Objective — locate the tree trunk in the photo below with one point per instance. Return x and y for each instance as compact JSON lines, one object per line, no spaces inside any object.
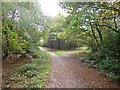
{"x":6,"y":38}
{"x":93,"y":33}
{"x":6,"y":50}
{"x":99,"y":33}
{"x":58,"y":43}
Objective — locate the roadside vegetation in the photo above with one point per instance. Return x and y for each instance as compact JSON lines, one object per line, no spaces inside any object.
{"x":92,"y":28}
{"x":24,"y":64}
{"x":32,"y":73}
{"x":37,"y":71}
{"x":106,"y":57}
{"x":95,"y":25}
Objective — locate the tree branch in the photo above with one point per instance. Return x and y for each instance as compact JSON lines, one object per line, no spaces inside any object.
{"x":109,"y":27}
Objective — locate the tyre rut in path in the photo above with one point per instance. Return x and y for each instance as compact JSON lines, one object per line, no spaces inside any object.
{"x":68,"y":72}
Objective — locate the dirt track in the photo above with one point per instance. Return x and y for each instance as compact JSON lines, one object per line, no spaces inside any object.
{"x":69,"y":72}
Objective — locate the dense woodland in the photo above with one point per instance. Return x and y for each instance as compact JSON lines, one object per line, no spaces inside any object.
{"x":92,"y":25}
{"x":97,"y":26}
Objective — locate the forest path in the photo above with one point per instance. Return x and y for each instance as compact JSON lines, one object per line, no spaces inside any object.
{"x":71,"y":72}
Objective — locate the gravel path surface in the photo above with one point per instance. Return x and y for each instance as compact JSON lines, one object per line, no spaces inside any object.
{"x":68,"y":72}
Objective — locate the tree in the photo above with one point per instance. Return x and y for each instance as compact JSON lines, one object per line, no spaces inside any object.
{"x":20,"y":22}
{"x":90,"y":18}
{"x":97,"y":25}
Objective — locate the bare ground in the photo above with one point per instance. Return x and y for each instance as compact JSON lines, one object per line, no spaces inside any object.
{"x":70,"y":72}
{"x":8,"y":69}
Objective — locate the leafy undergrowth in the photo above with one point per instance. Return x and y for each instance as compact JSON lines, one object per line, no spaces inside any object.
{"x":37,"y":71}
{"x":31,"y":75}
{"x":108,"y":65}
{"x":106,"y":57}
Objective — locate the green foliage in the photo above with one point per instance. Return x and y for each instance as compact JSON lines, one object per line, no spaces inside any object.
{"x":21,"y":22}
{"x":107,"y":57}
{"x":37,"y":71}
{"x":95,"y":25}
{"x":28,"y":67}
{"x":21,"y":35}
{"x":56,"y":34}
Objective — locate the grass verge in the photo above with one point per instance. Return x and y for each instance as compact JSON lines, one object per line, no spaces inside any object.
{"x":59,"y":52}
{"x":75,"y":51}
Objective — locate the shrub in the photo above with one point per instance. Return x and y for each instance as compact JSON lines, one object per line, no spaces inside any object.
{"x":37,"y":71}
{"x":107,"y":57}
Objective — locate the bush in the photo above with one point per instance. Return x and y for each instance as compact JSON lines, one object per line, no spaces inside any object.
{"x":37,"y":71}
{"x":107,"y":57}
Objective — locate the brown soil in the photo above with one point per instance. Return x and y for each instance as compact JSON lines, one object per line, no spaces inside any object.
{"x":9,"y":67}
{"x":70,"y":72}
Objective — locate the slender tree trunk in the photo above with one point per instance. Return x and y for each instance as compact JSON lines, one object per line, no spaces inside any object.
{"x":74,"y":44}
{"x":115,"y":24}
{"x":6,"y":39}
{"x":6,"y":50}
{"x":99,"y":33}
{"x":58,"y":43}
{"x":52,"y":45}
{"x":94,"y":34}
